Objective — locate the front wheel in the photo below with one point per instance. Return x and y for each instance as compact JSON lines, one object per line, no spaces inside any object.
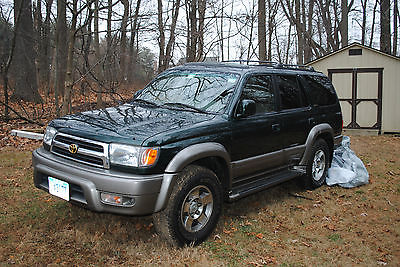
{"x":317,"y":164}
{"x":193,"y":209}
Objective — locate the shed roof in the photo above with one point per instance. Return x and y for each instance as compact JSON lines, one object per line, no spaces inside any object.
{"x":348,"y":47}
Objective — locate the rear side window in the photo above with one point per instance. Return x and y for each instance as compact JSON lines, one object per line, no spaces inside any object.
{"x":321,"y":91}
{"x":259,"y":88}
{"x":290,"y":92}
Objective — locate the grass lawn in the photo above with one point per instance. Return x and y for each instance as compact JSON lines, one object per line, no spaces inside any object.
{"x":333,"y":227}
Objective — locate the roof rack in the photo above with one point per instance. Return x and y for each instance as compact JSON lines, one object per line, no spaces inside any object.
{"x":273,"y":64}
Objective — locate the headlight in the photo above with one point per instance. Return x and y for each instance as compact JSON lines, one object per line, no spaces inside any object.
{"x":133,"y":156}
{"x":49,"y":135}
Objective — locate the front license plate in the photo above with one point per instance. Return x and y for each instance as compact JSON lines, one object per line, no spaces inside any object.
{"x":59,"y":188}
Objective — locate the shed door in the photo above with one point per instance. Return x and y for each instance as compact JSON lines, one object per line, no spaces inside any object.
{"x":360,"y":95}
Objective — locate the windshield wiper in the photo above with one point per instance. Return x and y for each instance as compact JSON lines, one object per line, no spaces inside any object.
{"x":184,"y":106}
{"x":219,"y":97}
{"x":145,"y":102}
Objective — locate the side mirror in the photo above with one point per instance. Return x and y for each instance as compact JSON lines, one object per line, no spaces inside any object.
{"x":246,"y":108}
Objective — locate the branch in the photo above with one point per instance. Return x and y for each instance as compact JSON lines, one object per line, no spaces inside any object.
{"x":20,"y":116}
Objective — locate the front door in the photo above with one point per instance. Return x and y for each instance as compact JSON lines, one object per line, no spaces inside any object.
{"x":257,"y":138}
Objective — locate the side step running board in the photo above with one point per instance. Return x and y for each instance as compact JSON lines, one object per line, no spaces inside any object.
{"x":261,"y":184}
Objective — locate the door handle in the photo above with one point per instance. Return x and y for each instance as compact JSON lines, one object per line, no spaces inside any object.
{"x":276,"y":127}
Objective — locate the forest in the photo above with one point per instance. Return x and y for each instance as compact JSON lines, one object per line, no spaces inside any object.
{"x":62,"y":56}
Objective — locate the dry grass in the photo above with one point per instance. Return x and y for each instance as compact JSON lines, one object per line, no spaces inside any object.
{"x":339,"y":227}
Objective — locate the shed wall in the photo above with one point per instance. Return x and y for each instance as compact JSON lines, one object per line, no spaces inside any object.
{"x":369,"y":59}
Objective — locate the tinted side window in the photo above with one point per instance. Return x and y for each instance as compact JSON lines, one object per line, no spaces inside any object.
{"x":321,"y":90}
{"x":289,"y":91}
{"x":259,"y":88}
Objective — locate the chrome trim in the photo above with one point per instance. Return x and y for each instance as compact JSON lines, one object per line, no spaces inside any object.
{"x":102,"y":156}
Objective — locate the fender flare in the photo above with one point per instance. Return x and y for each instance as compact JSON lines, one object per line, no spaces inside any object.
{"x":181,"y":160}
{"x":312,"y":137}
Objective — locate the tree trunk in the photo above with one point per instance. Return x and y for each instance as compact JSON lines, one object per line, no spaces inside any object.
{"x":373,"y":23}
{"x":99,"y":100}
{"x":123,"y":41}
{"x":364,"y":21}
{"x":25,"y":77}
{"x":222,"y":30}
{"x":344,"y":23}
{"x":193,"y":31}
{"x":300,"y":34}
{"x":133,"y":52}
{"x":385,"y":38}
{"x":171,"y":41}
{"x":69,"y":79}
{"x":395,"y":26}
{"x":262,"y":40}
{"x":161,"y":37}
{"x":61,"y":52}
{"x":165,"y":56}
{"x":200,"y":32}
{"x":108,"y":64}
{"x":308,"y":49}
{"x":46,"y":49}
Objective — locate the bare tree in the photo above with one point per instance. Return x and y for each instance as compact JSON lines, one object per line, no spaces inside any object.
{"x":45,"y":48}
{"x":395,"y":26}
{"x":133,"y":52}
{"x":373,"y":23}
{"x":123,"y":41}
{"x":262,"y":40}
{"x":165,"y":54}
{"x":385,"y":38}
{"x":25,"y":78}
{"x":195,"y":29}
{"x":344,"y":22}
{"x":99,"y":100}
{"x":272,"y":13}
{"x":61,"y":51}
{"x":364,"y":21}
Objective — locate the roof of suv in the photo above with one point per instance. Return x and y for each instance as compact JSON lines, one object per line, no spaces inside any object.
{"x":236,"y":67}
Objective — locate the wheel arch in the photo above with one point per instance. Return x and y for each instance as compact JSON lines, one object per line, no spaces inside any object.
{"x":323,"y":131}
{"x":210,"y":155}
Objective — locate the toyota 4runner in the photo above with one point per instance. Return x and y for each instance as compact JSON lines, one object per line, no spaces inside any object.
{"x":197,"y":135}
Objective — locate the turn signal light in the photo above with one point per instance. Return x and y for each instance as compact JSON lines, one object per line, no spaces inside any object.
{"x":118,"y":200}
{"x":149,"y":156}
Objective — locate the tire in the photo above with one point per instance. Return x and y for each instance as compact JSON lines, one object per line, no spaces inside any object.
{"x":193,"y":208}
{"x":317,"y":165}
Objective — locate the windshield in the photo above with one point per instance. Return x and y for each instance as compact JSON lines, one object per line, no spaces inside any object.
{"x":202,"y":91}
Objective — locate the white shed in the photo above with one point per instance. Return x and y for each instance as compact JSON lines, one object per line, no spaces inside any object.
{"x":367,"y":82}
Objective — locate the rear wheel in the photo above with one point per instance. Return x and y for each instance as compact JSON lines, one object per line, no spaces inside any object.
{"x":317,"y":164}
{"x":193,"y":209}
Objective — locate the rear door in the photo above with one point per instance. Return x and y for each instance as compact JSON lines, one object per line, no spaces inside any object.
{"x":324,"y":102}
{"x":294,"y":114}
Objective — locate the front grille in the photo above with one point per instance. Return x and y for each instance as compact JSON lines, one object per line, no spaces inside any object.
{"x":89,"y":152}
{"x":80,"y":143}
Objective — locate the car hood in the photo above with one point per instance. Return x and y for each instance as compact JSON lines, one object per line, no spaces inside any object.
{"x":128,"y":123}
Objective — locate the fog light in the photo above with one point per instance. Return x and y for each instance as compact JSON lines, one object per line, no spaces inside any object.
{"x":117,"y":200}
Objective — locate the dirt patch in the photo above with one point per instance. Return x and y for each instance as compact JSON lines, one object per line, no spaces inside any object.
{"x":333,"y":226}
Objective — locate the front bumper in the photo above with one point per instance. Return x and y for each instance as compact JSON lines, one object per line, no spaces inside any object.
{"x":86,"y":184}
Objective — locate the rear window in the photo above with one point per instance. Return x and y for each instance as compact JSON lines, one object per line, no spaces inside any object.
{"x":321,"y":91}
{"x":290,"y":92}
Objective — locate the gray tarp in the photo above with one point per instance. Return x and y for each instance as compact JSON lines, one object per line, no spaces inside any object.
{"x":347,"y":169}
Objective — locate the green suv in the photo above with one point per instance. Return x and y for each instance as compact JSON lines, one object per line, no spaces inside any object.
{"x":196,"y":136}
